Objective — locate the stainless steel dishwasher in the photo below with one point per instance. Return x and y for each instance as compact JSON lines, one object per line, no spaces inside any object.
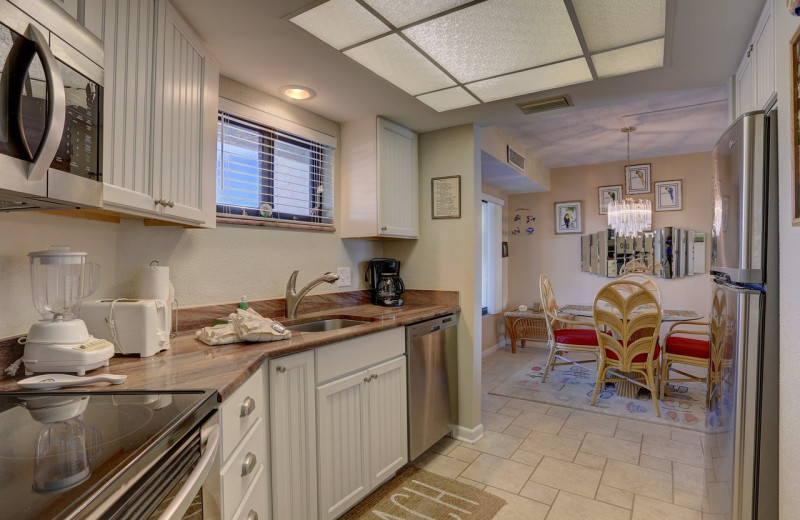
{"x":431,"y":382}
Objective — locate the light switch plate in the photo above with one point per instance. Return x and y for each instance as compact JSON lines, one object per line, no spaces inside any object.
{"x":345,"y":277}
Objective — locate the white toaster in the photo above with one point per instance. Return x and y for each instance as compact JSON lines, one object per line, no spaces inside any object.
{"x":134,"y":326}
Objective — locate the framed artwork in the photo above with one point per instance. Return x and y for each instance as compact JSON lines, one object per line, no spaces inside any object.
{"x":607,"y":195}
{"x":669,"y":195}
{"x":795,"y":78}
{"x":637,"y":179}
{"x":446,"y":197}
{"x":569,"y":217}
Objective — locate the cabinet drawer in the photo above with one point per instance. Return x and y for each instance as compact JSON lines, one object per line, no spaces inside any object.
{"x":357,"y":354}
{"x":255,"y":505}
{"x":241,"y":410}
{"x":234,"y":480}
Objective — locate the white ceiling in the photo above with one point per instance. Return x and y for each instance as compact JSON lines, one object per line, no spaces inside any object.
{"x":255,"y":44}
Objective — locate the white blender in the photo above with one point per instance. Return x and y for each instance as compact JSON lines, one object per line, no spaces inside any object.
{"x":60,"y":342}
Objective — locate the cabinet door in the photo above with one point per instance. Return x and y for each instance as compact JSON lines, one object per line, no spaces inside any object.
{"x":397,"y":180}
{"x":293,"y":436}
{"x":388,"y":431}
{"x":765,"y":58}
{"x":343,"y":473}
{"x":186,"y":86}
{"x":127,"y":118}
{"x":745,"y":84}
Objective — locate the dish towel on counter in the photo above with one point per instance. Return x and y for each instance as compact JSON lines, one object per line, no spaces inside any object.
{"x":245,"y":325}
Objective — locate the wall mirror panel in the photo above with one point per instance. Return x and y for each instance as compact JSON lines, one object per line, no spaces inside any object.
{"x":667,"y":252}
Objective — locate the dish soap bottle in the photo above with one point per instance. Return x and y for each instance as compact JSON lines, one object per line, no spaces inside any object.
{"x":243,"y":304}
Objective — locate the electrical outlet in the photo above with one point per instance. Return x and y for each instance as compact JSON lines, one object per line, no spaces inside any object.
{"x":345,"y":277}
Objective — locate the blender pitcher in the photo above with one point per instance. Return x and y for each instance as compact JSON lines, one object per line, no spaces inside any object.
{"x":60,"y":281}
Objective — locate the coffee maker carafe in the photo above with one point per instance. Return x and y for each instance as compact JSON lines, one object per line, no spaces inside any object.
{"x":383,"y":277}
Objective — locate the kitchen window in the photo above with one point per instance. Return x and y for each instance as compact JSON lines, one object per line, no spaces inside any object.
{"x":270,"y":174}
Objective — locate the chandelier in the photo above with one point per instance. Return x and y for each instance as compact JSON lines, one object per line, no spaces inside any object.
{"x":629,"y":217}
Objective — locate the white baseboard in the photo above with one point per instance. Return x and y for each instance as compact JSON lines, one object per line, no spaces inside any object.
{"x":471,"y":436}
{"x":495,"y":348}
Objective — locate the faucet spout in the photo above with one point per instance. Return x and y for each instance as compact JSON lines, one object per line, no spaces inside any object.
{"x":294,"y":297}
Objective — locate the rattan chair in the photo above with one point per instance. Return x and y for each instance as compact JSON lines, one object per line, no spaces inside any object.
{"x":563,"y":334}
{"x":648,"y":282}
{"x":630,"y":318}
{"x":528,"y":328}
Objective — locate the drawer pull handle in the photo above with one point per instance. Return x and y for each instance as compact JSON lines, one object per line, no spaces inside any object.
{"x":252,"y":515}
{"x":281,"y":369}
{"x":249,"y":464}
{"x":248,"y":405}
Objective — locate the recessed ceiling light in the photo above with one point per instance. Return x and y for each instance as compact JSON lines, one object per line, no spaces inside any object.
{"x":298,"y":92}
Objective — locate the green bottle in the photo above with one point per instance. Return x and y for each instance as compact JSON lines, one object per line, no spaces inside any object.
{"x":243,"y":304}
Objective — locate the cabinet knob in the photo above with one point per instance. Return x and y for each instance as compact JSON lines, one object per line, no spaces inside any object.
{"x":384,"y":228}
{"x":248,"y":405}
{"x":252,"y":515}
{"x":367,"y":379}
{"x":374,"y":376}
{"x":171,"y":204}
{"x":249,"y":464}
{"x":749,"y":50}
{"x":281,"y":369}
{"x":158,"y":202}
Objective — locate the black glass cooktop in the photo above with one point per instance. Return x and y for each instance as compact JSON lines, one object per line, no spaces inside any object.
{"x":62,"y":450}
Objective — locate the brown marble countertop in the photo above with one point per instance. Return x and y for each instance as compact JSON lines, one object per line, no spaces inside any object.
{"x":192,"y":365}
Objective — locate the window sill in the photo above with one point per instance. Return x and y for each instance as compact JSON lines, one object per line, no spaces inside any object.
{"x":276,"y":224}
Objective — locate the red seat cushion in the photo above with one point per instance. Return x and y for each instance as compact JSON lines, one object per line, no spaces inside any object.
{"x":585,"y":337}
{"x":641,"y":358}
{"x":683,"y":346}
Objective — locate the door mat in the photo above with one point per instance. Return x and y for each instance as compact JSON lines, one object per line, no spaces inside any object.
{"x":415,"y":493}
{"x":572,"y":386}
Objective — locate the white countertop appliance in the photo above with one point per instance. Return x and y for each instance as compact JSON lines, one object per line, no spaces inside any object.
{"x":60,"y":342}
{"x":134,"y":326}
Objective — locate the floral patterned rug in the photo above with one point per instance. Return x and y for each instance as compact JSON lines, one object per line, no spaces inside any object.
{"x":572,"y":386}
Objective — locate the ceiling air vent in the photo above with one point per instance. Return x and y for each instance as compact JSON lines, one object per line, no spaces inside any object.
{"x":540,"y":105}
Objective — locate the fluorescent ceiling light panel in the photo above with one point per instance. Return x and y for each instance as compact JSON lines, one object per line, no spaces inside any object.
{"x":392,"y":58}
{"x":401,"y":13}
{"x":448,"y":99}
{"x":534,"y":80}
{"x":649,"y":55}
{"x":327,"y":22}
{"x":497,"y":37}
{"x":608,"y":24}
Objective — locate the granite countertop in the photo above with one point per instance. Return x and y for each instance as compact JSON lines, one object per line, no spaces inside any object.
{"x":191,"y":365}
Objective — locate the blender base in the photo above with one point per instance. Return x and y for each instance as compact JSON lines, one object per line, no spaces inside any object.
{"x":64,"y":358}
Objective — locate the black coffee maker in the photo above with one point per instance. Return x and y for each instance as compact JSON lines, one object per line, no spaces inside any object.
{"x":383,"y":277}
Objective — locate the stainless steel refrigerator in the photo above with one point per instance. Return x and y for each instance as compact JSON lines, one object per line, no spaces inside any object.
{"x":742,"y":445}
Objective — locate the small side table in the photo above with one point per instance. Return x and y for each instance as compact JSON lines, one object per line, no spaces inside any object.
{"x":525,"y":325}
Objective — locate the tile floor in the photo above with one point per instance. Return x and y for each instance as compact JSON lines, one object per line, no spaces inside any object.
{"x":554,"y":463}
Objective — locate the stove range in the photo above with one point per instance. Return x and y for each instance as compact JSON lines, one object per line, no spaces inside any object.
{"x":66,"y":455}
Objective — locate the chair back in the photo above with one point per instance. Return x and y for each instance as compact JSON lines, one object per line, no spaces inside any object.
{"x":549,"y":305}
{"x":647,"y":281}
{"x":718,"y":325}
{"x":630,"y":316}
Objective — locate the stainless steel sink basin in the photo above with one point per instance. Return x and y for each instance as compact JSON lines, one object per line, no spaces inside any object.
{"x":325,"y":324}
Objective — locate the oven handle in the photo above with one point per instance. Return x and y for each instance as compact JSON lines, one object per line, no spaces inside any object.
{"x":184,"y":497}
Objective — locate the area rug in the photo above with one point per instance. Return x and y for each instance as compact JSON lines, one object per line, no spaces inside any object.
{"x":415,"y":493}
{"x":571,"y":386}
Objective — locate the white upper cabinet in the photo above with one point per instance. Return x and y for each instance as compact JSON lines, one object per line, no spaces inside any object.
{"x":755,"y":79}
{"x":160,"y":116}
{"x":379,"y":180}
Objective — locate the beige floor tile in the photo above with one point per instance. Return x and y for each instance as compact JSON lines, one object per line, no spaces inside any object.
{"x":655,"y":463}
{"x":718,"y":497}
{"x":465,"y":454}
{"x":591,"y":461}
{"x":540,"y":493}
{"x":445,"y":445}
{"x":539,"y":422}
{"x":472,"y":483}
{"x":510,"y":411}
{"x":611,"y":448}
{"x":526,"y":457}
{"x":495,"y":421}
{"x":569,"y":433}
{"x":573,"y":507}
{"x":644,"y":427}
{"x":516,"y":431}
{"x":645,"y":508}
{"x":687,"y":499}
{"x":504,"y":474}
{"x":680,"y":434}
{"x":528,"y":406}
{"x":441,"y":464}
{"x":713,"y":516}
{"x":592,"y":422}
{"x":559,"y":411}
{"x":676,"y":451}
{"x":492,"y":403}
{"x":567,"y":476}
{"x":497,"y":443}
{"x":711,"y":476}
{"x":689,"y":478}
{"x":551,"y":446}
{"x":636,"y":479}
{"x":518,"y":507}
{"x":616,"y":497}
{"x":628,"y":435}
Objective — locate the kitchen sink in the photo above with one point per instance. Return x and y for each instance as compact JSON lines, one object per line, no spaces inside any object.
{"x":324,"y":324}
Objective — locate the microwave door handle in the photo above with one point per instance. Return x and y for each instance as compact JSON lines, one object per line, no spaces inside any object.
{"x":56,"y":107}
{"x":183,"y":499}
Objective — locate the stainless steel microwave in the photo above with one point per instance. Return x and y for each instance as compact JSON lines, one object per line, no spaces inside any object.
{"x":51,"y":91}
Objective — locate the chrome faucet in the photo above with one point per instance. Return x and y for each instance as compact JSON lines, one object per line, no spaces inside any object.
{"x":293,"y":298}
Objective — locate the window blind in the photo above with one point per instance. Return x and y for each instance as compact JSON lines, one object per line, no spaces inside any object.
{"x":264,"y":173}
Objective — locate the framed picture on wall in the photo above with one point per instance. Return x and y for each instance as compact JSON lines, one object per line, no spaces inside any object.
{"x":569,"y":217}
{"x":637,"y":179}
{"x":607,"y":195}
{"x":669,"y":196}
